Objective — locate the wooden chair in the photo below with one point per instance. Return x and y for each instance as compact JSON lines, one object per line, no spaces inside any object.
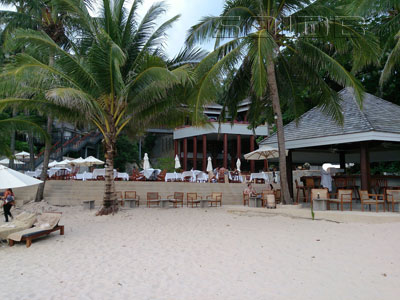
{"x":192,"y":199}
{"x":215,"y":198}
{"x":323,"y":194}
{"x":235,"y":177}
{"x":343,"y":196}
{"x":393,"y":196}
{"x":131,"y":195}
{"x":176,"y":198}
{"x":161,"y":176}
{"x":136,"y":176}
{"x":278,"y":196}
{"x":371,"y":199}
{"x":309,"y":185}
{"x":246,"y":199}
{"x":100,"y":178}
{"x":298,"y":189}
{"x":153,"y":198}
{"x":264,"y":196}
{"x":340,"y":183}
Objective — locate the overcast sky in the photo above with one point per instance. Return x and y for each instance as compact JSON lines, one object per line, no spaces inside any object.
{"x":191,"y":12}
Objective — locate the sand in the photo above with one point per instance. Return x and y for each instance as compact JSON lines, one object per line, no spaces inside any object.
{"x":214,"y":253}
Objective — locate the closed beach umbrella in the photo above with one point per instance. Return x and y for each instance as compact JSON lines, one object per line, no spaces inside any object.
{"x":91,"y":161}
{"x":238,"y":164}
{"x":10,"y":178}
{"x":146,"y":162}
{"x":6,"y":162}
{"x":209,"y":165}
{"x":177,"y":162}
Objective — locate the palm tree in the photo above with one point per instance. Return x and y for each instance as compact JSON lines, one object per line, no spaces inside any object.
{"x":389,"y":30}
{"x":253,"y":35}
{"x":116,"y":77}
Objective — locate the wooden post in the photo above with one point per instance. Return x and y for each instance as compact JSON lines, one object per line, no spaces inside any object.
{"x":204,"y":153}
{"x":194,"y":152}
{"x":238,"y":146}
{"x":265,"y":165}
{"x":252,"y":162}
{"x":225,"y":151}
{"x":176,"y":147}
{"x":289,"y":172}
{"x":342,"y":160}
{"x":185,"y":154}
{"x":364,"y":166}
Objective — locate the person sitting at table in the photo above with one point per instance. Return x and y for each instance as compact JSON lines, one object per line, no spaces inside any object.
{"x":250,"y":190}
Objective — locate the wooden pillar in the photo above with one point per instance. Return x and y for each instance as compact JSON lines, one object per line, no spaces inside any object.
{"x":204,"y":153}
{"x":194,"y":152}
{"x":265,"y":165}
{"x":225,"y":151}
{"x":364,"y":166}
{"x":252,"y":162}
{"x":238,"y":146}
{"x":289,"y":172}
{"x":176,"y":147}
{"x":185,"y":154}
{"x":342,"y":160}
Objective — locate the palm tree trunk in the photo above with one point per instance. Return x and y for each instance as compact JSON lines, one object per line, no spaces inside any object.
{"x":273,"y":88}
{"x":12,"y":142}
{"x":46,"y":158}
{"x":31,"y":151}
{"x":110,"y":204}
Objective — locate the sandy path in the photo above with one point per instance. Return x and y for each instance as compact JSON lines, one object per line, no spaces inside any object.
{"x":196,"y":254}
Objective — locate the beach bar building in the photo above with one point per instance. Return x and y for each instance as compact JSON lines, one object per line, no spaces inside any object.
{"x":369,"y":133}
{"x":223,"y":142}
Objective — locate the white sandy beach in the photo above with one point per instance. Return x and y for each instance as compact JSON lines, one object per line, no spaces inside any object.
{"x":203,"y":254}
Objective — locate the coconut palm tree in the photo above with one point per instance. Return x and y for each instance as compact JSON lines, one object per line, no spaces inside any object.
{"x":116,"y":76}
{"x":253,"y":35}
{"x":389,"y":30}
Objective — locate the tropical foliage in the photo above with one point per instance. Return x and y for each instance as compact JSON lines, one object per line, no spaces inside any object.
{"x":279,"y":50}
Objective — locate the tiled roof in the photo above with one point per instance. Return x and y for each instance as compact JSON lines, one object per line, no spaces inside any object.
{"x":376,"y":115}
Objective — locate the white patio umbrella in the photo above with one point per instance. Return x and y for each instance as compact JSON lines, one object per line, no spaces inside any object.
{"x":22,"y":155}
{"x":53,"y":164}
{"x":10,"y":178}
{"x":238,"y":164}
{"x":209,"y":165}
{"x":6,"y":162}
{"x":78,"y":161}
{"x":177,"y":162}
{"x":91,"y":161}
{"x":264,"y":152}
{"x":146,"y":162}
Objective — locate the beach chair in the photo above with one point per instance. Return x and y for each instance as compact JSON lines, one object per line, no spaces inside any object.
{"x":46,"y":224}
{"x":21,"y":222}
{"x":371,"y":199}
{"x":120,"y":198}
{"x":215,"y":198}
{"x":131,"y":196}
{"x":343,"y":196}
{"x":153,"y":198}
{"x":264,"y":196}
{"x":176,"y":198}
{"x":191,"y":198}
{"x":393,"y":196}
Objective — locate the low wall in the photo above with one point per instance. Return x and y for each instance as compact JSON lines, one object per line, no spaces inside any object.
{"x":58,"y":192}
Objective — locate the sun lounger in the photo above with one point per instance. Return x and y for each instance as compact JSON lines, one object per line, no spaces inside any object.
{"x":46,"y":224}
{"x":21,"y":222}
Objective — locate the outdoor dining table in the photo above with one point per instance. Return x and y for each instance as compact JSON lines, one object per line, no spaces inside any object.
{"x":261,"y":175}
{"x":148,"y":172}
{"x":102,"y":172}
{"x":320,"y":204}
{"x":173,"y":176}
{"x":255,"y":201}
{"x":124,"y":176}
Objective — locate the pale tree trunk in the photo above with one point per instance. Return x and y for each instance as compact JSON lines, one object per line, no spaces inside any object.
{"x":46,"y":158}
{"x":110,"y":204}
{"x":273,"y":88}
{"x":12,"y":142}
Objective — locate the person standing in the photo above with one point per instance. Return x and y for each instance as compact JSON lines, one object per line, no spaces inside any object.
{"x":8,"y":199}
